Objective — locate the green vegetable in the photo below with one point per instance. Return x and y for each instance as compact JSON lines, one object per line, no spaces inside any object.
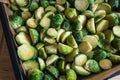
{"x":21,"y":3}
{"x":77,"y":25}
{"x":22,"y":38}
{"x":65,"y":35}
{"x":45,"y":22}
{"x":50,"y":8}
{"x":60,"y":8}
{"x":31,"y":22}
{"x":88,"y":13}
{"x":71,"y":41}
{"x":51,"y":59}
{"x":93,"y":7}
{"x":41,"y":63}
{"x":90,"y":54}
{"x":64,"y":49}
{"x":42,"y":53}
{"x":44,"y":3}
{"x":83,"y":7}
{"x":60,"y":32}
{"x":34,"y":35}
{"x":114,"y":58}
{"x":31,"y":64}
{"x":78,"y":35}
{"x":82,"y":19}
{"x":33,"y":6}
{"x":109,"y":35}
{"x":48,"y":77}
{"x":80,"y":59}
{"x":26,"y":15}
{"x":70,"y":13}
{"x":39,"y":13}
{"x":105,"y":64}
{"x":25,"y":52}
{"x":16,"y":21}
{"x":49,"y":40}
{"x":21,"y":29}
{"x":14,"y":7}
{"x":92,"y":66}
{"x":71,"y":74}
{"x":99,"y":1}
{"x":51,"y":49}
{"x":61,"y":66}
{"x":53,"y":71}
{"x":116,"y":31}
{"x":35,"y":74}
{"x":60,"y":1}
{"x":42,"y":34}
{"x":116,"y":43}
{"x":51,"y":32}
{"x":62,"y":77}
{"x":65,"y":25}
{"x":39,"y":45}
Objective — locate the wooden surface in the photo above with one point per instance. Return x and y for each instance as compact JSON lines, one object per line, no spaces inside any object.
{"x":6,"y":71}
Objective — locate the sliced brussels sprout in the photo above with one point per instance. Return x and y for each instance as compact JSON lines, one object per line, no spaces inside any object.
{"x":92,"y":66}
{"x":105,"y":64}
{"x":42,"y":53}
{"x":101,"y":35}
{"x":114,"y":58}
{"x":34,"y":35}
{"x":48,"y":77}
{"x":24,"y":9}
{"x":39,"y":45}
{"x":91,"y":2}
{"x":51,"y":59}
{"x":60,"y":8}
{"x":116,"y":31}
{"x":71,"y":74}
{"x":51,"y":32}
{"x":48,"y":14}
{"x":71,"y":41}
{"x":102,"y":25}
{"x":42,"y":34}
{"x":35,"y":74}
{"x":104,"y":6}
{"x":31,"y":22}
{"x":108,"y":35}
{"x":99,"y":1}
{"x":81,"y":71}
{"x":45,"y":22}
{"x":53,"y":71}
{"x":51,"y":49}
{"x":80,"y":59}
{"x":15,"y":21}
{"x":62,"y":77}
{"x":93,"y":7}
{"x":113,"y":50}
{"x":22,"y":38}
{"x":65,"y":35}
{"x":33,"y":6}
{"x":61,"y":66}
{"x":21,"y":3}
{"x":21,"y":29}
{"x":113,"y":19}
{"x":99,"y":15}
{"x":60,"y":32}
{"x":25,"y":52}
{"x":44,"y":3}
{"x":64,"y":49}
{"x":41,"y":63}
{"x":116,"y":43}
{"x":82,"y":19}
{"x":66,"y":25}
{"x":49,"y":40}
{"x":70,"y":57}
{"x":78,"y":35}
{"x":92,"y":40}
{"x":70,"y":13}
{"x":88,"y":13}
{"x":68,"y":66}
{"x":14,"y":7}
{"x":39,"y":13}
{"x":50,"y":8}
{"x":77,"y":26}
{"x":90,"y":54}
{"x":60,"y":1}
{"x":91,"y":25}
{"x":83,"y":7}
{"x":30,"y":64}
{"x":26,"y":15}
{"x":85,"y":47}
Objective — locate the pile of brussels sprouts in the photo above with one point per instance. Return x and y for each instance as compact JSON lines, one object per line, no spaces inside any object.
{"x":64,"y":39}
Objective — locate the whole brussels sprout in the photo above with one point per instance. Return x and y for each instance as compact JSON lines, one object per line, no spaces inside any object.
{"x":44,"y":3}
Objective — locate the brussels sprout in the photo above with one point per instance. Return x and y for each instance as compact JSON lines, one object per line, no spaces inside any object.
{"x":81,"y":71}
{"x":49,"y":40}
{"x":77,"y":25}
{"x":42,"y":34}
{"x":51,"y":49}
{"x":64,"y":49}
{"x":99,"y":1}
{"x":39,"y":13}
{"x":60,"y":8}
{"x":68,"y":66}
{"x":26,"y":15}
{"x":83,"y":7}
{"x":48,"y":77}
{"x":34,"y":35}
{"x":16,"y":21}
{"x":114,"y":58}
{"x":42,"y":53}
{"x":80,"y":59}
{"x":113,"y":19}
{"x":91,"y":1}
{"x":53,"y":71}
{"x":61,"y":66}
{"x":26,"y":52}
{"x":102,"y":25}
{"x":70,"y":13}
{"x":116,"y":43}
{"x":31,"y":64}
{"x":51,"y":32}
{"x":50,"y":8}
{"x":82,"y":19}
{"x":21,"y":3}
{"x":116,"y":31}
{"x":78,"y":35}
{"x":113,"y":50}
{"x":51,"y":59}
{"x":41,"y":63}
{"x":92,"y":66}
{"x":21,"y":29}
{"x":60,"y":1}
{"x":109,"y":35}
{"x":33,"y":6}
{"x":91,"y":25}
{"x":44,"y":3}
{"x":71,"y":74}
{"x":14,"y":7}
{"x":35,"y":74}
{"x":66,"y":25}
{"x":56,"y":20}
{"x":60,"y":32}
{"x":101,"y":35}
{"x":62,"y":77}
{"x":105,"y":64}
{"x":22,"y":38}
{"x":71,"y":41}
{"x":88,"y":13}
{"x":39,"y":45}
{"x":90,"y":54}
{"x":31,"y":22}
{"x":93,"y":7}
{"x":85,"y":47}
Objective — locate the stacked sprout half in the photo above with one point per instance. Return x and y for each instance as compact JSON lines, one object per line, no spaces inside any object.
{"x":64,"y":39}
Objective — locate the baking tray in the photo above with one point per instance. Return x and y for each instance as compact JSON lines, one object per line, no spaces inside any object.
{"x":19,"y":74}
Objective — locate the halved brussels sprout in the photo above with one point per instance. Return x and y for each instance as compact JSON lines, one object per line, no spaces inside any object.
{"x":66,"y":25}
{"x":62,"y":77}
{"x":51,"y":49}
{"x":93,"y":7}
{"x":21,"y":3}
{"x":71,"y":74}
{"x":42,"y":34}
{"x":31,"y":22}
{"x":60,"y":32}
{"x":114,"y":58}
{"x":60,"y":1}
{"x":77,"y":26}
{"x":39,"y":45}
{"x":49,"y":40}
{"x":47,"y":76}
{"x":42,"y":53}
{"x":70,"y":13}
{"x":39,"y":13}
{"x":51,"y":32}
{"x":60,"y":8}
{"x":22,"y":38}
{"x":116,"y":31}
{"x":108,"y":35}
{"x":44,"y":3}
{"x":14,"y":7}
{"x":61,"y":66}
{"x":50,"y":8}
{"x":26,"y":15}
{"x":82,"y":19}
{"x":22,"y":29}
{"x":33,"y":6}
{"x":65,"y":35}
{"x":99,"y":1}
{"x":116,"y":43}
{"x":41,"y":63}
{"x":88,"y":13}
{"x":78,"y":35}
